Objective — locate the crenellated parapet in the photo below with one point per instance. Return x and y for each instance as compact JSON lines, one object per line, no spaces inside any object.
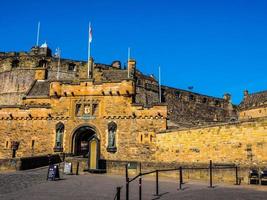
{"x":253,"y":105}
{"x":123,"y":88}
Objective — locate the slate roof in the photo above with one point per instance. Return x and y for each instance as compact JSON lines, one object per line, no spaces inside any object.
{"x":254,"y":100}
{"x":113,"y":75}
{"x":39,"y":88}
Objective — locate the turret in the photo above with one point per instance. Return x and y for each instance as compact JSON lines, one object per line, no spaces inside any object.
{"x":43,"y":50}
{"x":131,"y":67}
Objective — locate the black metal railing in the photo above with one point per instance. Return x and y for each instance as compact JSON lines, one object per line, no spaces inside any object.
{"x":211,"y":167}
{"x":118,"y":193}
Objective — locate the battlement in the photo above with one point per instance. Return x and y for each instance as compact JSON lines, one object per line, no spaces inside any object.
{"x":41,"y":57}
{"x":124,"y":88}
{"x":67,"y":77}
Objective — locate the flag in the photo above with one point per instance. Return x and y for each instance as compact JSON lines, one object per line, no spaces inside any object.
{"x":90,"y":33}
{"x":191,"y":87}
{"x":57,"y":53}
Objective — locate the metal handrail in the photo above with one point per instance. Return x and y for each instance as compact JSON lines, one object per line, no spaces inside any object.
{"x":210,"y":167}
{"x":117,"y":195}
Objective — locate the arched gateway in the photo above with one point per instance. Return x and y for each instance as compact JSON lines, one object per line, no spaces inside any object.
{"x":86,"y":143}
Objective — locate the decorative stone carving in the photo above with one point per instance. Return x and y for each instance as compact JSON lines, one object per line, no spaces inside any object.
{"x":87,"y":109}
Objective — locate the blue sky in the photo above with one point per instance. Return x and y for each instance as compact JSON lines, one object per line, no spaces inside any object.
{"x":215,"y":46}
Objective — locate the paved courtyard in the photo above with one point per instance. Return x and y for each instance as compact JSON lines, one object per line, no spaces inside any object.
{"x":32,"y":185}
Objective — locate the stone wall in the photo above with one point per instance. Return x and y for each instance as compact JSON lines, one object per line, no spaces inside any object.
{"x":26,"y":163}
{"x":242,"y":143}
{"x":16,"y":84}
{"x":33,"y":124}
{"x":227,"y":175}
{"x":42,"y":132}
{"x":25,"y":131}
{"x":185,"y":108}
{"x":189,"y":109}
{"x":253,"y":113}
{"x":9,"y":164}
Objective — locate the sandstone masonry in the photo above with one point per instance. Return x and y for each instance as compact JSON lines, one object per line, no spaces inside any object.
{"x":114,"y":114}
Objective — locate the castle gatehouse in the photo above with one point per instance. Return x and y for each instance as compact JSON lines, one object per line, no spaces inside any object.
{"x":114,"y":114}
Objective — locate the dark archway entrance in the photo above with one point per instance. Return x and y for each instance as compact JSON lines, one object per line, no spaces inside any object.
{"x":86,"y":143}
{"x":80,"y":141}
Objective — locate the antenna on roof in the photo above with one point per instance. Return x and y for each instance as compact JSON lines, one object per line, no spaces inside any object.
{"x":159,"y":86}
{"x":128,"y":59}
{"x":57,"y":54}
{"x":38,"y":34}
{"x":90,"y":38}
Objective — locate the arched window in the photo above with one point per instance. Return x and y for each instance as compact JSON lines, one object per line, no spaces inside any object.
{"x":72,"y":67}
{"x":112,"y":128}
{"x":59,"y":137}
{"x":42,"y":63}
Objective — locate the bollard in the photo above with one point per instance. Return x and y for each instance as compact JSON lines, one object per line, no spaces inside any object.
{"x":236,"y":175}
{"x":181,"y":177}
{"x":118,"y":193}
{"x":140,"y":187}
{"x":157,"y":182}
{"x":127,"y":182}
{"x":210,"y":173}
{"x":77,"y":169}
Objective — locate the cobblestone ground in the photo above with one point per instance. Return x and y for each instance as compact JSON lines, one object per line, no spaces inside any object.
{"x":32,"y":185}
{"x":15,"y":181}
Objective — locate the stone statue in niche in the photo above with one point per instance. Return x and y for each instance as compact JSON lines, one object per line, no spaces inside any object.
{"x":59,"y":136}
{"x":112,"y":128}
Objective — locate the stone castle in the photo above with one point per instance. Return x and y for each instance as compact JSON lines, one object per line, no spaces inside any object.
{"x":113,"y":113}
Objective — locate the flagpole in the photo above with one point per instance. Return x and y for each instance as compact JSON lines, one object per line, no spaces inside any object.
{"x":58,"y":64}
{"x":89,"y":51}
{"x":129,"y":54}
{"x":38,"y":33}
{"x":159,"y":86}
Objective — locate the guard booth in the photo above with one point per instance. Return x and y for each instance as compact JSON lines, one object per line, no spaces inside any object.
{"x":93,"y":155}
